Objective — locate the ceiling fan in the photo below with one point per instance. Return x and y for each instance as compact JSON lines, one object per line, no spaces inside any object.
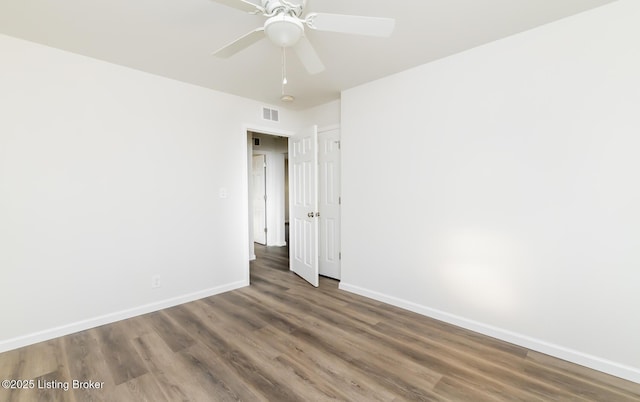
{"x":285,"y":28}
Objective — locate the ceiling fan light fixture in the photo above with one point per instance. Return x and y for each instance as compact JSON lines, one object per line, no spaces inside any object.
{"x":284,"y":30}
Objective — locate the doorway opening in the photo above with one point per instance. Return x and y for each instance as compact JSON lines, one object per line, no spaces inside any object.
{"x":268,"y":194}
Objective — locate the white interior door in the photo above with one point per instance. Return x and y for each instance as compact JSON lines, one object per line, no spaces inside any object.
{"x":303,"y":199}
{"x":329,"y":203}
{"x":259,"y":200}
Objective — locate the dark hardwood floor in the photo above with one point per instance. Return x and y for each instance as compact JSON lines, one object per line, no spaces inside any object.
{"x":282,"y":340}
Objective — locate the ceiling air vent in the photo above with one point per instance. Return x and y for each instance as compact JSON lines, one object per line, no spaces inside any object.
{"x":270,"y":114}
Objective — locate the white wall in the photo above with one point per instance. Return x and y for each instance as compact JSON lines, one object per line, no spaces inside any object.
{"x":270,"y":143}
{"x":324,"y":115}
{"x":109,"y":176}
{"x":498,"y":189}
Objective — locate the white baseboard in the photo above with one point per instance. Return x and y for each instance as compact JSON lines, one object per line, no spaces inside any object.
{"x":63,"y":330}
{"x":574,"y":356}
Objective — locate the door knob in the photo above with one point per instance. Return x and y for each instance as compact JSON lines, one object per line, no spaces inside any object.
{"x":310,"y":214}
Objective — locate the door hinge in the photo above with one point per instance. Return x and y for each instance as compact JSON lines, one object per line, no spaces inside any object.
{"x":265,"y":230}
{"x":340,"y":255}
{"x":265,"y":197}
{"x":339,"y":200}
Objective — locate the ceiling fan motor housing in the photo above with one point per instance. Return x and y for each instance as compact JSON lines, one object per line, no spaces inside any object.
{"x":292,"y":7}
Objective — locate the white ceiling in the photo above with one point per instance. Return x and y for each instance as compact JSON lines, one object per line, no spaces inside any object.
{"x":175,"y":38}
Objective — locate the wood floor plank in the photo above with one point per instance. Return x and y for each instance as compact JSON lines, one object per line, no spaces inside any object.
{"x":219,"y":380}
{"x":286,"y":320}
{"x":394,"y":381}
{"x":282,"y":340}
{"x":40,"y":359}
{"x":172,"y":334}
{"x":11,"y":368}
{"x":140,"y":389}
{"x":267,"y":315}
{"x":86,"y":362}
{"x":627,"y":389}
{"x":457,"y":390}
{"x":249,"y":341}
{"x":236,"y":310}
{"x":574,"y":386}
{"x":35,"y":363}
{"x":57,"y":358}
{"x":123,"y":361}
{"x":43,"y":394}
{"x":308,"y":383}
{"x":240,"y":361}
{"x":268,"y":359}
{"x":173,"y":378}
{"x":355,"y":385}
{"x":469,"y":367}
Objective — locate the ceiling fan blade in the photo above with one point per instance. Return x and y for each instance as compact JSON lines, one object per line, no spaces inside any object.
{"x":240,"y":43}
{"x":241,"y":5}
{"x":308,"y":56}
{"x":351,"y":24}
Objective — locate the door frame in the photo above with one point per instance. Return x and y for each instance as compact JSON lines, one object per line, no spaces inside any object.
{"x":247,"y":221}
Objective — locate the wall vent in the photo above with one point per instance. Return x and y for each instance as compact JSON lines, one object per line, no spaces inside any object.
{"x":270,"y":114}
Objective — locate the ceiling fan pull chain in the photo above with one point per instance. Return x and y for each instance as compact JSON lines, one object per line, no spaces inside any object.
{"x":284,"y":68}
{"x":285,"y":97}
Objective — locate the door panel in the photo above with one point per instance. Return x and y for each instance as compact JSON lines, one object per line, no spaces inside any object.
{"x":303,"y":189}
{"x":329,"y":203}
{"x":259,"y":200}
